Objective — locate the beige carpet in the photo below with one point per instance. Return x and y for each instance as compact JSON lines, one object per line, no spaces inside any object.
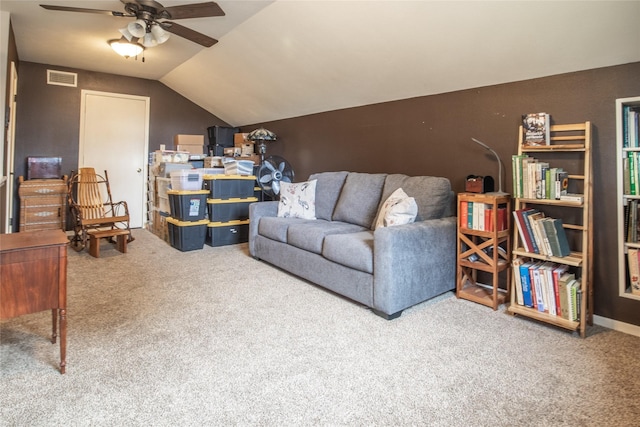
{"x":212,"y":337}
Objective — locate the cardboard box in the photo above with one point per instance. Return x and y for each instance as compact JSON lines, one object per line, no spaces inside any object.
{"x":247,"y":149}
{"x":240,"y":138}
{"x":190,"y":148}
{"x":188,"y":140}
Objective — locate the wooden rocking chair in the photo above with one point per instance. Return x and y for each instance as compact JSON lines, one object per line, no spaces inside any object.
{"x":94,"y":213}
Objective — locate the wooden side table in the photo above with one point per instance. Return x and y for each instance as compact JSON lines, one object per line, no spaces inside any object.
{"x":484,"y":244}
{"x":33,"y":278}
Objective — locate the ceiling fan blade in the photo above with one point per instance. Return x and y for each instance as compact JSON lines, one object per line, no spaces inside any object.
{"x":266,"y":179}
{"x":276,"y":187}
{"x":188,"y":34}
{"x":84,"y":10}
{"x":195,"y":10}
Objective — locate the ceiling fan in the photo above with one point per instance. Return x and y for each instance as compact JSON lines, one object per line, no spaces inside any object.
{"x":151,"y":15}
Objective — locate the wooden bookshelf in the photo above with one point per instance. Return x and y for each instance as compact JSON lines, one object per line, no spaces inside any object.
{"x":572,"y":144}
{"x":477,"y":249}
{"x":625,"y":149}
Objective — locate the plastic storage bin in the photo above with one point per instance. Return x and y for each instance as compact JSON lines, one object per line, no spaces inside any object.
{"x":187,"y":235}
{"x":229,"y":186}
{"x":188,"y":205}
{"x":229,"y":209}
{"x":227,"y":233}
{"x":238,"y":167}
{"x":186,"y":179}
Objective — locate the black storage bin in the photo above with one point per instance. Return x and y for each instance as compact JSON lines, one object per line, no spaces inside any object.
{"x":221,"y":137}
{"x":188,"y":205}
{"x":229,"y":209}
{"x":187,"y":235}
{"x":223,"y":186}
{"x":227,"y":233}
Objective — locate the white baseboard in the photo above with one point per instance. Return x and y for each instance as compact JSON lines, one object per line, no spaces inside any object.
{"x":616,"y":325}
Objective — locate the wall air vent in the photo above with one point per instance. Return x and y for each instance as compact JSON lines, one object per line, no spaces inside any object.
{"x":62,"y":78}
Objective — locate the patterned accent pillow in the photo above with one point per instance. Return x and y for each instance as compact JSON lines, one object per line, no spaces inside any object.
{"x":398,"y":209}
{"x":297,"y":200}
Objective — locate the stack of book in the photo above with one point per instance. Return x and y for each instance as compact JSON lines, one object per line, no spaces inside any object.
{"x":548,"y":287}
{"x":630,"y":126}
{"x":479,"y":216}
{"x":533,"y":179}
{"x":541,"y":235}
{"x":633,"y":266}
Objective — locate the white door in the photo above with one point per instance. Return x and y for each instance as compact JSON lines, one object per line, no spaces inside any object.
{"x":7,"y":226}
{"x":114,"y":136}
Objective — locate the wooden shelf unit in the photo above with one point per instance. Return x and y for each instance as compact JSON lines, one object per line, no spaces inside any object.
{"x":575,"y":140}
{"x":624,"y":198}
{"x":476,"y":243}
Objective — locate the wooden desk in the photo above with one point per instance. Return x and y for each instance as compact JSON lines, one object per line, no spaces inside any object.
{"x":33,"y":278}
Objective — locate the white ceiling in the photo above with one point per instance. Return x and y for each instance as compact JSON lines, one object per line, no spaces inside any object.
{"x":289,"y":58}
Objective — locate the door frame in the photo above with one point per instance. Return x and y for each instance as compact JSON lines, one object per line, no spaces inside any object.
{"x":145,"y":163}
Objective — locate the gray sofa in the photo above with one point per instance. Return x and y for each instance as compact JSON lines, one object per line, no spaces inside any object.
{"x":387,"y":269}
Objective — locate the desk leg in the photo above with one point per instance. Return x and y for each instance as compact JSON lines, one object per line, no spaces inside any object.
{"x":54,"y":322}
{"x":63,"y":340}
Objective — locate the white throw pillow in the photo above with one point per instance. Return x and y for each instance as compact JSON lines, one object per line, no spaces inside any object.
{"x":297,"y":200}
{"x":398,"y":209}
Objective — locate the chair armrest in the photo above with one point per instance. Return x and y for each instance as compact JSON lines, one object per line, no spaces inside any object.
{"x":256,"y":211}
{"x":413,"y":262}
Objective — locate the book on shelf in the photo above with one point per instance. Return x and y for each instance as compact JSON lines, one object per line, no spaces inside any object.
{"x":480,"y":216}
{"x":634,"y":269}
{"x":536,"y":287}
{"x":527,"y":222}
{"x":525,"y":283}
{"x":525,"y":237}
{"x":564,"y":284}
{"x":546,"y":276}
{"x":558,"y":272}
{"x":464,"y":214}
{"x":536,"y":127}
{"x":557,"y":237}
{"x":630,"y":126}
{"x":539,"y":235}
{"x":572,"y":197}
{"x":632,"y":221}
{"x":562,"y":184}
{"x":517,"y":281}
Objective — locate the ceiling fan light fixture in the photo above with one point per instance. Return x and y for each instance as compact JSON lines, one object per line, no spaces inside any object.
{"x":125,"y":48}
{"x":137,"y":28}
{"x":159,"y":34}
{"x":149,"y":41}
{"x":126,"y":34}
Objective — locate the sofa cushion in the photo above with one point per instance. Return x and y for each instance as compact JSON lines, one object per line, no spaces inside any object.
{"x":276,"y":228}
{"x":398,"y":209}
{"x":359,"y":199}
{"x":354,"y":250}
{"x":297,"y":200}
{"x":310,"y":235}
{"x":328,"y":187}
{"x":432,"y":194}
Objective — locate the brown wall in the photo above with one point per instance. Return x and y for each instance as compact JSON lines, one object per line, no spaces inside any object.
{"x":48,"y":117}
{"x":432,"y":136}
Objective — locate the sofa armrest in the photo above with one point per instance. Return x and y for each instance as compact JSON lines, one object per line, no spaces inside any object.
{"x":413,"y":262}
{"x":256,"y":211}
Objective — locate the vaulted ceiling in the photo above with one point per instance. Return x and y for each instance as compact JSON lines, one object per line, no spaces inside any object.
{"x":281,"y":59}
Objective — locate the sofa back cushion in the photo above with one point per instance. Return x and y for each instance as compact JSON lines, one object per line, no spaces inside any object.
{"x":433,"y":194}
{"x":359,"y":199}
{"x":328,"y":188}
